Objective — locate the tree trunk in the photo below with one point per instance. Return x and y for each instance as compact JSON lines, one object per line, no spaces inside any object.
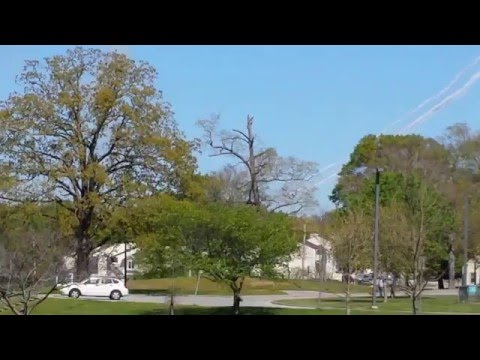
{"x":414,"y":304}
{"x":440,"y":284}
{"x":236,"y":302}
{"x":451,"y":270}
{"x":347,"y":297}
{"x":84,"y":243}
{"x":236,"y":288}
{"x":82,"y":262}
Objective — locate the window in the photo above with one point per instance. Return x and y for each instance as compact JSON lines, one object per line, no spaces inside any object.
{"x":92,"y":281}
{"x":115,"y":281}
{"x":106,"y":281}
{"x":130,"y":264}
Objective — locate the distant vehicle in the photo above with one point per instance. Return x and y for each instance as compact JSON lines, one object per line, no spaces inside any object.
{"x":96,"y":286}
{"x":365,"y":279}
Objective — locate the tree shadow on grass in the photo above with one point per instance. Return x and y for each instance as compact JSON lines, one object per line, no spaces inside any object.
{"x":364,"y":300}
{"x":198,"y":310}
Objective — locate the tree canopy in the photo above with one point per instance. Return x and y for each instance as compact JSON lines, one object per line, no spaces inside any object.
{"x":89,"y":130}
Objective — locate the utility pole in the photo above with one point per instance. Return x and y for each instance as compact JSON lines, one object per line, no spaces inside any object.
{"x":303,"y":249}
{"x":465,"y":242}
{"x":376,"y":231}
{"x":125,"y":264}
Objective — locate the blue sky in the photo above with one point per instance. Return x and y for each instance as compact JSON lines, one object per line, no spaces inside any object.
{"x":312,"y":102}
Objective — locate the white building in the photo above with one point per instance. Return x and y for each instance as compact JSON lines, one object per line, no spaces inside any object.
{"x":316,"y":259}
{"x":109,"y":260}
{"x":473,"y":272}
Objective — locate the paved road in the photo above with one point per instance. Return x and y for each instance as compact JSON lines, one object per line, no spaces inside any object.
{"x":248,"y":300}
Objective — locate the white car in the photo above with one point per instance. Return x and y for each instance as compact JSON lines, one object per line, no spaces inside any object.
{"x":96,"y":286}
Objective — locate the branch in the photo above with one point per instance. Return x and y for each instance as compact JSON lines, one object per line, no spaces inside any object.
{"x":246,"y":138}
{"x":114,"y":143}
{"x":62,"y":204}
{"x":8,"y":303}
{"x":11,"y":199}
{"x":112,"y":168}
{"x":43,"y":298}
{"x":66,"y":188}
{"x":226,"y":151}
{"x":285,"y":205}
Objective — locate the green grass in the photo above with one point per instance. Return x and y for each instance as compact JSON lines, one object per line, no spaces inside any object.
{"x":359,"y":306}
{"x":92,"y":307}
{"x":439,"y":304}
{"x":252,"y":286}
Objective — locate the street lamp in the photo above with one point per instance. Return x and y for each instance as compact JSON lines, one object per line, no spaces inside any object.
{"x":376,"y":231}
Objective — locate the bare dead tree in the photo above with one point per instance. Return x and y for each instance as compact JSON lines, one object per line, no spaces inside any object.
{"x":30,"y":269}
{"x":278,"y":183}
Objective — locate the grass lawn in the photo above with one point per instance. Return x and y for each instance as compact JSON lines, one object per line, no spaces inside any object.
{"x":252,"y":286}
{"x":432,"y":305}
{"x":360,"y":306}
{"x":92,"y":307}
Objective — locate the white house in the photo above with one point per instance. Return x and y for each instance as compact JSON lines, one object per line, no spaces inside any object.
{"x":315,"y":258}
{"x":473,"y":272}
{"x":109,"y":260}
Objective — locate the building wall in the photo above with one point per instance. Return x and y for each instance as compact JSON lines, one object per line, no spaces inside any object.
{"x":471,"y":267}
{"x":312,"y":258}
{"x":101,"y":261}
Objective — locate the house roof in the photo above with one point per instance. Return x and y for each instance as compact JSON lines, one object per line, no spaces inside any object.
{"x":315,"y":241}
{"x":115,"y":249}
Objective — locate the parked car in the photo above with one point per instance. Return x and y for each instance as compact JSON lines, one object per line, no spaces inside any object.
{"x":96,"y":286}
{"x":366,"y":279}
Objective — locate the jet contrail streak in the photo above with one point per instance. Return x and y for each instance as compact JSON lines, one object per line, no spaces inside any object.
{"x":442,"y":104}
{"x":328,"y":167}
{"x":327,"y":178}
{"x":438,"y":95}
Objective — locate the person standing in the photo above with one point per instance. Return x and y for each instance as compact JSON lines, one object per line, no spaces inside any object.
{"x":392,"y":287}
{"x":380,"y":284}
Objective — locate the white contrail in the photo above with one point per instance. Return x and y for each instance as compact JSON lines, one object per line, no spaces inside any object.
{"x":448,"y":87}
{"x":328,"y":167}
{"x":436,"y":96}
{"x":327,"y":178}
{"x":438,"y":107}
{"x":442,"y":104}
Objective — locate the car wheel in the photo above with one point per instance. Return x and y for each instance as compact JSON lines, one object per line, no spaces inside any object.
{"x":115,"y":295}
{"x":74,"y":293}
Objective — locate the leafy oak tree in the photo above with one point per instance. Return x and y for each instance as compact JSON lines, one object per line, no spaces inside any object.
{"x":88,"y":130}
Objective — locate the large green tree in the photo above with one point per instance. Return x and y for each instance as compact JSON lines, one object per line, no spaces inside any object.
{"x":88,"y":130}
{"x":414,"y":177}
{"x":226,"y":242}
{"x":395,"y":154}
